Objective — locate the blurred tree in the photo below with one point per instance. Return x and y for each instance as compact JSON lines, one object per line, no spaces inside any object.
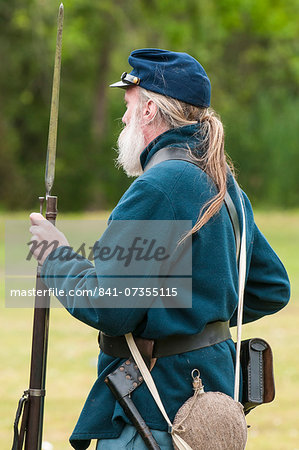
{"x":248,"y":47}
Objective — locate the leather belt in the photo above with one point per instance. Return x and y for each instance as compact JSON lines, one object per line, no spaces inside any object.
{"x":213,"y":333}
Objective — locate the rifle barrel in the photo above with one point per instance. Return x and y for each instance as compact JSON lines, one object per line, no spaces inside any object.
{"x":37,"y":383}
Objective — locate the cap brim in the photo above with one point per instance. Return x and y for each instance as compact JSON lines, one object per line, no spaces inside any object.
{"x":121,"y":84}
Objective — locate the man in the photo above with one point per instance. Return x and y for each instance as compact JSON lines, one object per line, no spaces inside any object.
{"x":168,"y":98}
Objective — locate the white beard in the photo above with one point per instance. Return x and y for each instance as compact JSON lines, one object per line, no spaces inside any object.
{"x":130,"y":146}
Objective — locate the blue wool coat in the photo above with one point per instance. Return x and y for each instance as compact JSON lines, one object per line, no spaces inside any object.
{"x":175,"y":190}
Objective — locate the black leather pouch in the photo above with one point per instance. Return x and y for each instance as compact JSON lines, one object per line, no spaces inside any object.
{"x":257,"y":371}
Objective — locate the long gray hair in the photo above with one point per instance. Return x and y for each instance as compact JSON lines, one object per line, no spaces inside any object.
{"x":175,"y":113}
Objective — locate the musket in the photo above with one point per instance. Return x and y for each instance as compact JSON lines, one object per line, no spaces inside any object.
{"x":31,"y":404}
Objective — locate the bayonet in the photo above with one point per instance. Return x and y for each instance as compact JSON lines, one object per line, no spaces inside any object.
{"x":52,"y":137}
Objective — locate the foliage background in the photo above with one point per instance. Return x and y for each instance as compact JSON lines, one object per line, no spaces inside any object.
{"x":248,"y":47}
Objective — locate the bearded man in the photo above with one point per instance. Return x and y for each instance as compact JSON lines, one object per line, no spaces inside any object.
{"x":168,"y":111}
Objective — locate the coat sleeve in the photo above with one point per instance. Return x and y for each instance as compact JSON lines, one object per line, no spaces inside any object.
{"x":141,"y":202}
{"x":267,"y":287}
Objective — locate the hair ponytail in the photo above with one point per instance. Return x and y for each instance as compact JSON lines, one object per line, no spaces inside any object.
{"x":175,"y":113}
{"x":214,"y":163}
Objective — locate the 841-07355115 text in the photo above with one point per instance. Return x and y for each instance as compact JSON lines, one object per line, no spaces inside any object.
{"x":140,"y":292}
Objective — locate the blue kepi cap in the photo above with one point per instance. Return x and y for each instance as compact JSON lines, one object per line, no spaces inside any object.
{"x":174,"y":74}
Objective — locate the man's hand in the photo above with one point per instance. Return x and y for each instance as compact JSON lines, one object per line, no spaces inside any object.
{"x":45,"y":237}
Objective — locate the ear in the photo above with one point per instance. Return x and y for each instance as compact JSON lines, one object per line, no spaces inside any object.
{"x":149,"y":111}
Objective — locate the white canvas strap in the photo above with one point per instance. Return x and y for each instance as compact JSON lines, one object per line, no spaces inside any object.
{"x":242,"y":276}
{"x":179,"y":442}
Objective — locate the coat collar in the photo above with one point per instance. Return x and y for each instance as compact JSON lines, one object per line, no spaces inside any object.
{"x":183,"y":137}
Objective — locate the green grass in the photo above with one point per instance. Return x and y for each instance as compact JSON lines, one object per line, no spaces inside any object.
{"x":73,"y":351}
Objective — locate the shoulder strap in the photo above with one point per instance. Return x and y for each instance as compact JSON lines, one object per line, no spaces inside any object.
{"x":177,"y":153}
{"x":242,"y":278}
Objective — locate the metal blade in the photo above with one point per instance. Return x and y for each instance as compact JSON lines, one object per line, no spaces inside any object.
{"x":52,"y":137}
